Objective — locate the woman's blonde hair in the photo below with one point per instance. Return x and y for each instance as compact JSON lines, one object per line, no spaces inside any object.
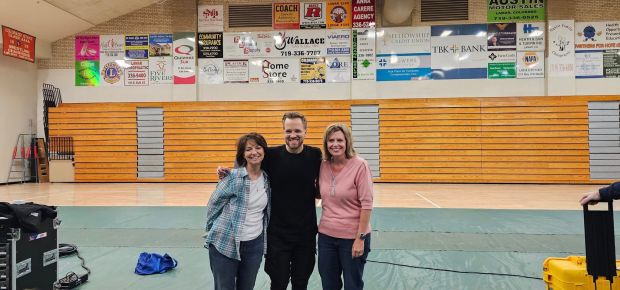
{"x":350,"y":151}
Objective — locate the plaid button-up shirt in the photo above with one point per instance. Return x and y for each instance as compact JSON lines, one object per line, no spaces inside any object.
{"x":227,"y":209}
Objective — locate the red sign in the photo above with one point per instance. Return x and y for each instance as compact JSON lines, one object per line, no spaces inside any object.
{"x":363,"y":13}
{"x":17,"y":44}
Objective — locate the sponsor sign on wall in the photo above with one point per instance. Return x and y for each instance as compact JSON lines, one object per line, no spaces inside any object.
{"x":312,"y":70}
{"x":363,"y":13}
{"x":531,"y":36}
{"x":338,"y":69}
{"x":87,"y":60}
{"x":18,"y":44}
{"x":274,"y":70}
{"x":530,"y":64}
{"x":502,"y":65}
{"x":459,"y":51}
{"x":210,"y":18}
{"x":210,"y":71}
{"x":236,"y":71}
{"x":285,"y":15}
{"x":184,"y":58}
{"x":403,"y":53}
{"x":111,"y":55}
{"x":137,"y":73}
{"x":515,"y":10}
{"x":502,"y":36}
{"x":339,"y":14}
{"x":300,"y":43}
{"x":561,"y":44}
{"x":160,"y":59}
{"x":136,"y":46}
{"x":210,"y":45}
{"x":363,"y":54}
{"x":312,"y":15}
{"x":588,"y":64}
{"x":245,"y":44}
{"x":86,"y":47}
{"x":404,"y":40}
{"x":597,"y":35}
{"x":160,"y":45}
{"x":87,"y":73}
{"x":611,"y":63}
{"x":338,"y":42}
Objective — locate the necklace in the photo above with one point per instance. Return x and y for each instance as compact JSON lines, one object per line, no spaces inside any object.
{"x":332,"y":188}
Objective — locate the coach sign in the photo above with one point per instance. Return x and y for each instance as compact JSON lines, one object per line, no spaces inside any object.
{"x":17,"y":44}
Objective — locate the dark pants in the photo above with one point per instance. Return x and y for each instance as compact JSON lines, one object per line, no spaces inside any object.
{"x":289,"y":259}
{"x":232,"y":274}
{"x":335,"y":260}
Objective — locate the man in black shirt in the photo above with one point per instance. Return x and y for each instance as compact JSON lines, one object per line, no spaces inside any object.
{"x":293,"y":171}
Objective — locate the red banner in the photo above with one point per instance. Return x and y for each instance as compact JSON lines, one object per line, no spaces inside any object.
{"x":17,"y":44}
{"x":363,"y":13}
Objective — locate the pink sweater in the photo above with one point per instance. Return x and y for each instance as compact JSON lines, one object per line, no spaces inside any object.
{"x":353,"y":192}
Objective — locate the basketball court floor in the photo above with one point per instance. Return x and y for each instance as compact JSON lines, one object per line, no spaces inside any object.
{"x":425,"y":236}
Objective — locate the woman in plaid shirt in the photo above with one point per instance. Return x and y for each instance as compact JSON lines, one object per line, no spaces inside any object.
{"x":237,"y":217}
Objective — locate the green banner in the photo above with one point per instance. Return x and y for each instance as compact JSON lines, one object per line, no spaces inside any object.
{"x":87,"y":73}
{"x":515,"y":10}
{"x":502,"y":70}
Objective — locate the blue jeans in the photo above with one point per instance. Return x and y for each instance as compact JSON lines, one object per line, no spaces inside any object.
{"x":335,"y":260}
{"x":232,"y":274}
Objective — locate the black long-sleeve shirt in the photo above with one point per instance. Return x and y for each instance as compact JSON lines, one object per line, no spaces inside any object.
{"x":610,"y":192}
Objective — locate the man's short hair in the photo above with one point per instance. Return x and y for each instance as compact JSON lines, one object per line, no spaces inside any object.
{"x":295,"y":115}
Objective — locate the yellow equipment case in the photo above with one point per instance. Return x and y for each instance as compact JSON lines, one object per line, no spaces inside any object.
{"x":598,"y":270}
{"x":571,"y":273}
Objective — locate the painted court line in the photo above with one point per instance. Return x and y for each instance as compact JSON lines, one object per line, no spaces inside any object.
{"x":430,"y":201}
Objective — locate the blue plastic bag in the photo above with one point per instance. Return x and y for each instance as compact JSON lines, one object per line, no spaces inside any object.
{"x":151,"y":263}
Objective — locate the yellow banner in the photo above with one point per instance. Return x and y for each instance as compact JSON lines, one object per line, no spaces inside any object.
{"x":339,"y":14}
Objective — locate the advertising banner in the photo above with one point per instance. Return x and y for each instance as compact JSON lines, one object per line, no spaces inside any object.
{"x":597,"y":35}
{"x":312,"y":15}
{"x":87,"y":73}
{"x":86,"y":47}
{"x":246,"y":44}
{"x":502,"y":36}
{"x":274,"y":70}
{"x":338,"y":42}
{"x":530,"y":64}
{"x":502,"y":65}
{"x":338,"y":69}
{"x":136,"y":46}
{"x":210,"y":18}
{"x":236,"y":71}
{"x":291,"y":43}
{"x":285,"y":15}
{"x":210,"y":71}
{"x":312,"y":70}
{"x":404,"y":40}
{"x":184,"y":58}
{"x":561,"y":48}
{"x":611,"y":63}
{"x":339,"y":14}
{"x":137,"y":73}
{"x":459,"y":51}
{"x":210,"y":45}
{"x":112,"y":55}
{"x":363,"y":13}
{"x":363,"y":54}
{"x":515,"y":10}
{"x":588,"y":64}
{"x":531,"y":36}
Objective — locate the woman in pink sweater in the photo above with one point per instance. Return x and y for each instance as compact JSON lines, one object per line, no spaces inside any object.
{"x":345,"y":183}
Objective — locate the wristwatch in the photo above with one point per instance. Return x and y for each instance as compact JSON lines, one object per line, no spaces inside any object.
{"x":363,"y":236}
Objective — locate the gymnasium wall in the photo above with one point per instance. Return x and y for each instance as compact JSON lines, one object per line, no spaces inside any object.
{"x":179,"y":15}
{"x":18,"y":92}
